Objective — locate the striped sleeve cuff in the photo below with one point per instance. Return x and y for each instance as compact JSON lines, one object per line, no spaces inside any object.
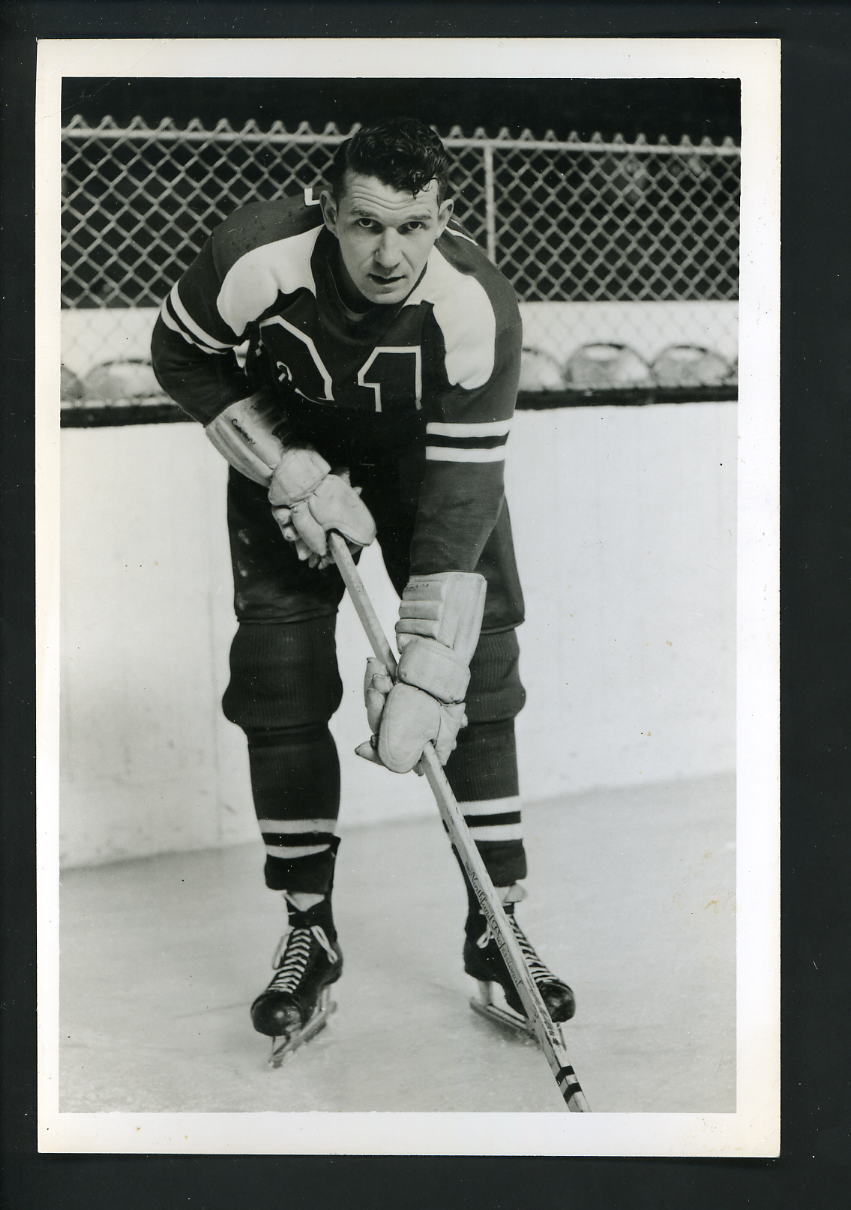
{"x":484,"y":442}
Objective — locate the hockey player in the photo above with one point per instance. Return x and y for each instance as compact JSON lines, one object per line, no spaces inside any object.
{"x":372,"y":394}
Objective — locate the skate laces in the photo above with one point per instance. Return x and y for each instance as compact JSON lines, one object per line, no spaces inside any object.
{"x":292,"y":953}
{"x":537,"y":969}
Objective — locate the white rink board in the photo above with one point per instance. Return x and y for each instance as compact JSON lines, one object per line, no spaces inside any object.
{"x":90,"y":336}
{"x":625,"y":525}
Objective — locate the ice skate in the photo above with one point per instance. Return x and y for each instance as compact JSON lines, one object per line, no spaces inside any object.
{"x":296,"y":1004}
{"x":484,"y":962}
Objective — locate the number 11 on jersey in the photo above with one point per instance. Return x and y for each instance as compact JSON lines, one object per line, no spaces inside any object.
{"x":394,"y":374}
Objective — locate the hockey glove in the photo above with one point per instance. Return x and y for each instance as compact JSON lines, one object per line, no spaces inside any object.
{"x":307,"y":498}
{"x":284,"y":517}
{"x":440,"y":617}
{"x":248,"y":435}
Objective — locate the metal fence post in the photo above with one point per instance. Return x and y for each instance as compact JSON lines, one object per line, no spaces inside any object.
{"x":490,"y":203}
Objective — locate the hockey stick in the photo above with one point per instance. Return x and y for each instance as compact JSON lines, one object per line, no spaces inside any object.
{"x":546,"y":1032}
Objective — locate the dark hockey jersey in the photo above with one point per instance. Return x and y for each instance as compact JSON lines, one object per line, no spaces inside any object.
{"x":434,"y":377}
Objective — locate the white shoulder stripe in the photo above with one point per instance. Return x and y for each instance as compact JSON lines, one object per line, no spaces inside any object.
{"x":165,"y":316}
{"x":465,"y":315}
{"x":253,"y":283}
{"x":487,"y":428}
{"x":442,"y":453}
{"x":185,"y":318}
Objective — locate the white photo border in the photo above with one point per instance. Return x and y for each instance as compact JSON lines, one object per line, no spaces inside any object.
{"x":753,"y":1130}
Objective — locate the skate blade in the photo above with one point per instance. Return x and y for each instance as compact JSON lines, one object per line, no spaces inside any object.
{"x":485,"y":1006}
{"x":284,"y":1046}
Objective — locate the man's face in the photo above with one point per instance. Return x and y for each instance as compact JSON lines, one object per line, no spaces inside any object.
{"x":385,"y":236}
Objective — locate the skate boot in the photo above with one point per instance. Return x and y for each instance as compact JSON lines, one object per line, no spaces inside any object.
{"x":296,"y":1004}
{"x":485,"y":963}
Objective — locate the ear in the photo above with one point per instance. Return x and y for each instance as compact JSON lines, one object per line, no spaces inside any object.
{"x":329,"y":211}
{"x":444,"y":214}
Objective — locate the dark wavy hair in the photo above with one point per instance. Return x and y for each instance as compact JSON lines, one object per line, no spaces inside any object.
{"x":403,"y":153}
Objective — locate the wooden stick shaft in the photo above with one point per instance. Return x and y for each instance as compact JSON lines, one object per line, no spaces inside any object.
{"x":364,"y":608}
{"x":548,"y":1036}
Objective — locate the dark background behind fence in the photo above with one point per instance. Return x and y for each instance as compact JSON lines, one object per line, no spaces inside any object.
{"x":582,"y":191}
{"x":698,"y":108}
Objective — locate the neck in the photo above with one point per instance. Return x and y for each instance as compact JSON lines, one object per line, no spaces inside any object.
{"x":351,"y":298}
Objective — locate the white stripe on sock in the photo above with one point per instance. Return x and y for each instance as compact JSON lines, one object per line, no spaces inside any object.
{"x":299,"y":850}
{"x":290,"y":826}
{"x":509,"y":831}
{"x":491,"y":806}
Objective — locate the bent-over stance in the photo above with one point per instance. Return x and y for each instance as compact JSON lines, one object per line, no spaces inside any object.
{"x":355,"y":358}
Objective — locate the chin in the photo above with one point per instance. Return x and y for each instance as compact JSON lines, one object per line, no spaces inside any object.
{"x":378,"y":296}
{"x":387,"y":300}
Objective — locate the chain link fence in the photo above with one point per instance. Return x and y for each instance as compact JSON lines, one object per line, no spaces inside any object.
{"x":624,"y":255}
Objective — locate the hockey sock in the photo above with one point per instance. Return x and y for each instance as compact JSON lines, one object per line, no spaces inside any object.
{"x":483,"y":774}
{"x":283,"y":689}
{"x":295,"y":782}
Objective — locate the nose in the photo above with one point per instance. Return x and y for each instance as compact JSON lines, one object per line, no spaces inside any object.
{"x":387,"y":249}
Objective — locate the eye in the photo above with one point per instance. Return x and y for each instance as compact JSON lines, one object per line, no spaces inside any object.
{"x":366,"y":224}
{"x":414,"y":225}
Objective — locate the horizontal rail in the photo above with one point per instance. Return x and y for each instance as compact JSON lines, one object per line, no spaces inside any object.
{"x":277,"y":138}
{"x":87,"y":416}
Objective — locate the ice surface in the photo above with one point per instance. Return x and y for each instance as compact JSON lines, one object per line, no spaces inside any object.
{"x":631,"y":900}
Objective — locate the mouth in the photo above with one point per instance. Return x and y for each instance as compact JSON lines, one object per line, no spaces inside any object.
{"x":385,"y":282}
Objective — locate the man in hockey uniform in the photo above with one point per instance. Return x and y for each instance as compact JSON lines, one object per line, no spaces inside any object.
{"x":372,"y":394}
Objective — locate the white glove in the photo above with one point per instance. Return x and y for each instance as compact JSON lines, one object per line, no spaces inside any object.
{"x":307,"y":499}
{"x":440,"y":617}
{"x":312,"y":501}
{"x":411,"y":720}
{"x":247,"y":435}
{"x":284,"y":517}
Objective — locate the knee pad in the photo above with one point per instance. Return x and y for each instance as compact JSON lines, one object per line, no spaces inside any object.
{"x":496,"y":691}
{"x":283,"y":675}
